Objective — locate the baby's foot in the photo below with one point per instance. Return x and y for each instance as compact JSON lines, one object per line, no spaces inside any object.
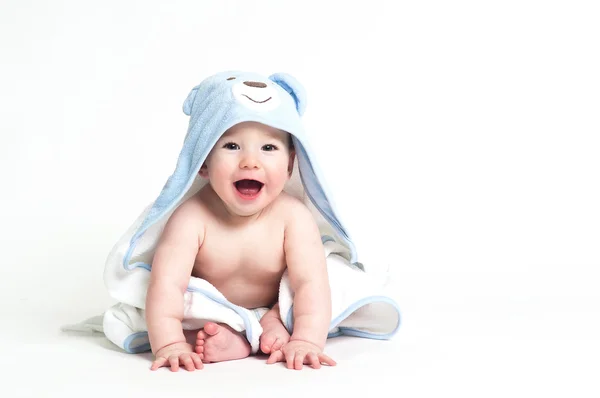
{"x":216,"y":343}
{"x":274,"y":336}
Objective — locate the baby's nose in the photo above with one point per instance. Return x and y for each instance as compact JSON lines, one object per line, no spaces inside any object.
{"x":249,"y":161}
{"x":255,"y":84}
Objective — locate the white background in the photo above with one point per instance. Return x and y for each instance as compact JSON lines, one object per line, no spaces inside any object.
{"x":461,"y":140}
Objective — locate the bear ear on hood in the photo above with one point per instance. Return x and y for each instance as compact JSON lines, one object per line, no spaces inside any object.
{"x":292,"y":86}
{"x":189,"y":101}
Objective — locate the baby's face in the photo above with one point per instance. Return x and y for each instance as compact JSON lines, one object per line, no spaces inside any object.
{"x":249,"y":166}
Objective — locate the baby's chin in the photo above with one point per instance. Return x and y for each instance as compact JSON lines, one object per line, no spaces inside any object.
{"x":235,"y":210}
{"x":250,"y":209}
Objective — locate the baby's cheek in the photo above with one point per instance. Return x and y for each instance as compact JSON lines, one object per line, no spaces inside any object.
{"x":282,"y":175}
{"x":220,"y":173}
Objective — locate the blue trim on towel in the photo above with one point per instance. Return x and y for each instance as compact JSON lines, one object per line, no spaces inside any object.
{"x":327,"y":238}
{"x":289,"y":322}
{"x":256,"y":314}
{"x":337,"y":333}
{"x":289,"y":325}
{"x":132,"y":348}
{"x":139,"y":264}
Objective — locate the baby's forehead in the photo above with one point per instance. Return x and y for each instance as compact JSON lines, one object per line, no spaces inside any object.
{"x":256,"y":129}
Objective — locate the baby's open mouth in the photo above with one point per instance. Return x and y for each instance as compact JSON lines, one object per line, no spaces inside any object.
{"x":248,"y":188}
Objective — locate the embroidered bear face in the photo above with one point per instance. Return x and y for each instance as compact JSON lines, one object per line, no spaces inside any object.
{"x":255,"y":95}
{"x":253,"y":91}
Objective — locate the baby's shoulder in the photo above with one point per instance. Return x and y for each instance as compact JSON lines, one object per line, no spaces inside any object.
{"x":291,"y":207}
{"x":192,"y":209}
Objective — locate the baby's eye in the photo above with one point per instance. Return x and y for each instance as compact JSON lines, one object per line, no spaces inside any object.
{"x":232,"y":146}
{"x":269,"y":147}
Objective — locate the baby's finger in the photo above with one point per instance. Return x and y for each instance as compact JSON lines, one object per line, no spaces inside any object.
{"x":174,"y":362}
{"x":197,"y":361}
{"x":289,"y":358}
{"x":276,"y":356}
{"x":299,"y":360}
{"x":325,"y":359}
{"x":314,"y":360}
{"x":187,"y":362}
{"x":158,"y":362}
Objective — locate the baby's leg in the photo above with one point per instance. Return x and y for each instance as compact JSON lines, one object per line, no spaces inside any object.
{"x":274,"y":335}
{"x":219,"y":342}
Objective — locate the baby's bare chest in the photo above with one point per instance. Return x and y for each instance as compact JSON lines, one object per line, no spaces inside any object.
{"x":254,"y":252}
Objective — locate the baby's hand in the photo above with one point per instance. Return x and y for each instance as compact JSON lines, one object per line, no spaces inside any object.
{"x":297,"y":353}
{"x":175,"y":354}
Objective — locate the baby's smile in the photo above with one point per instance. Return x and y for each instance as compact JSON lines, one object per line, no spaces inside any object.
{"x":248,"y":189}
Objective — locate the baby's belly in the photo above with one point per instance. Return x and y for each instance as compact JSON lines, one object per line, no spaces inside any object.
{"x":249,"y":295}
{"x":246,"y":288}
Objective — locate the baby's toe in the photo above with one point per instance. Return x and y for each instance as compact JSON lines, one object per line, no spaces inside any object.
{"x":277,"y":344}
{"x":266,"y":343}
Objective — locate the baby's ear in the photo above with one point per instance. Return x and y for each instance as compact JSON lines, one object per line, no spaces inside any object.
{"x":292,"y":86}
{"x":203,"y":172}
{"x":291,"y":163}
{"x":189,"y":101}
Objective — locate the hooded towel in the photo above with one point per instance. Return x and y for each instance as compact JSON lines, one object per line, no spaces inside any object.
{"x":359,"y":305}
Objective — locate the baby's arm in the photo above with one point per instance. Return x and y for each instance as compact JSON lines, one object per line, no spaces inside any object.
{"x":171,"y":270}
{"x":307,"y":270}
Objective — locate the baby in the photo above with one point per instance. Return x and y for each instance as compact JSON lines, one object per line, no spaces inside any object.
{"x":240,"y":232}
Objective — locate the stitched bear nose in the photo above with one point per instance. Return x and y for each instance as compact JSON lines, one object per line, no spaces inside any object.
{"x":255,"y":84}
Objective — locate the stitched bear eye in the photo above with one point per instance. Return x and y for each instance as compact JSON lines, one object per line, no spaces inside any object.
{"x":230,"y":78}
